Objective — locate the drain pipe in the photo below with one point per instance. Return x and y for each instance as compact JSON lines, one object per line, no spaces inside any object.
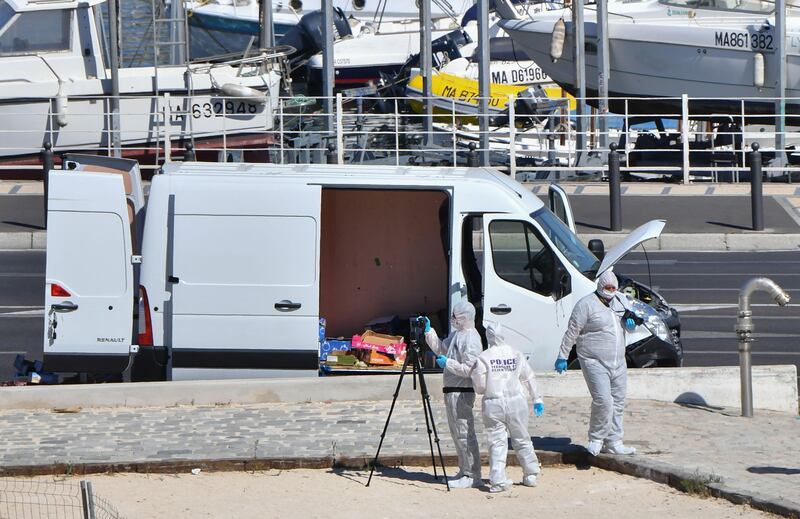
{"x":744,"y":330}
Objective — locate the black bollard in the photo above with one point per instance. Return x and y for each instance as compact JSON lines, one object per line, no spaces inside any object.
{"x":614,"y":194}
{"x":47,"y":165}
{"x":331,"y":153}
{"x":189,"y":155}
{"x":472,"y":156}
{"x":756,"y":199}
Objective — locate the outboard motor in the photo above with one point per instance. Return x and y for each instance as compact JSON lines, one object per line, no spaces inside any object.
{"x":307,"y":36}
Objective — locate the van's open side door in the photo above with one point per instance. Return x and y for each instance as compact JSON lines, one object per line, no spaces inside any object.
{"x":90,"y":287}
{"x":559,"y":205}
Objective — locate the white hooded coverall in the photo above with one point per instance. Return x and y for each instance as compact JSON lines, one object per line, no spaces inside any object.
{"x":499,"y":375}
{"x":596,"y":331}
{"x":461,"y":348}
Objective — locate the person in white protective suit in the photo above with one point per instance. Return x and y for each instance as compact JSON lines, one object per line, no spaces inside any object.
{"x":499,"y":375}
{"x":596,"y":331}
{"x":456,"y":355}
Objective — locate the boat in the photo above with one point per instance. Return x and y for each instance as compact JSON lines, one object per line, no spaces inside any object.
{"x":376,"y":50}
{"x":56,"y":86}
{"x":721,"y":53}
{"x":221,"y":26}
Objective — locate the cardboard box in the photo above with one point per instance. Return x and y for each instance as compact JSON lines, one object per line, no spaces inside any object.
{"x":391,"y":344}
{"x":374,"y":358}
{"x":341,"y":360}
{"x":330,"y":346}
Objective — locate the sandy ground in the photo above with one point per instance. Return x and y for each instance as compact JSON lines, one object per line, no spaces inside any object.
{"x":398,"y":492}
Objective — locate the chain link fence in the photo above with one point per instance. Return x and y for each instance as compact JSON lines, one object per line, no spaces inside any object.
{"x":35,"y":499}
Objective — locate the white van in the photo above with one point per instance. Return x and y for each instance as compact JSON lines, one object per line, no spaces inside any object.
{"x":234,"y":264}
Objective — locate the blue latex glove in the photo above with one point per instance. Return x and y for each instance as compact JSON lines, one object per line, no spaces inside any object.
{"x":630,"y":324}
{"x":441,"y":361}
{"x":561,"y":365}
{"x":538,"y":409}
{"x":427,"y":324}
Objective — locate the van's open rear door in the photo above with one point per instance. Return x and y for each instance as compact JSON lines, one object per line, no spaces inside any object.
{"x":90,"y":287}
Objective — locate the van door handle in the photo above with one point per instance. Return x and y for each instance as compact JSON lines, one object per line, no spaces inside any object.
{"x":64,"y":307}
{"x":173,"y":279}
{"x":287,"y":305}
{"x":501,"y":310}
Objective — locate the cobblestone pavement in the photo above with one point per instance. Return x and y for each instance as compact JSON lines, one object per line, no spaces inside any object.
{"x":757,"y":458}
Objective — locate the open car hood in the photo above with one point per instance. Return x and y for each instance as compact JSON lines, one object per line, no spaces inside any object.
{"x":641,"y":234}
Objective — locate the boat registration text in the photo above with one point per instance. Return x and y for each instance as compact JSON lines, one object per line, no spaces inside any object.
{"x":759,"y":41}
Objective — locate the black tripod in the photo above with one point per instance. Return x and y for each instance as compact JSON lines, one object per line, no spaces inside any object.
{"x":414,"y":357}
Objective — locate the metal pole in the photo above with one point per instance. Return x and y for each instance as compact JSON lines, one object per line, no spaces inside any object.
{"x":339,"y":132}
{"x":327,"y":64}
{"x":756,"y":198}
{"x":177,"y":38}
{"x":484,"y":89}
{"x":603,"y":69}
{"x":614,"y":191}
{"x":87,"y":500}
{"x":580,"y":77}
{"x":744,"y":331}
{"x":267,"y":37}
{"x":47,"y":165}
{"x":512,"y":138}
{"x":685,"y":136}
{"x":114,"y":37}
{"x":426,"y":65}
{"x":780,"y":84}
{"x":472,"y":156}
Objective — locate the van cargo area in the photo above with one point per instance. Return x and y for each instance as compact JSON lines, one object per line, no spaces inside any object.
{"x":383,"y":253}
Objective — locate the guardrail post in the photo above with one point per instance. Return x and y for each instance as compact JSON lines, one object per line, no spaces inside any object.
{"x":614,"y":194}
{"x":331,"y":154}
{"x":685,"y":136}
{"x":189,"y":154}
{"x":472,"y":156}
{"x":47,"y":165}
{"x":339,"y":130}
{"x":87,"y":500}
{"x":756,"y":199}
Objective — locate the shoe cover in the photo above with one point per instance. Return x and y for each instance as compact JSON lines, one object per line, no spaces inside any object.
{"x":529,"y":480}
{"x":594,"y":447}
{"x":462,"y":482}
{"x":619,"y":448}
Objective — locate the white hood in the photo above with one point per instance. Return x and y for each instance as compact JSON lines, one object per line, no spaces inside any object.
{"x":641,"y":234}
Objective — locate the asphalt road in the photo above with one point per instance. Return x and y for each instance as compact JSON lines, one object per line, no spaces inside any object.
{"x":704,"y":287}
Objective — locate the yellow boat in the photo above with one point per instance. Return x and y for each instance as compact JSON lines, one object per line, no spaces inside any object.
{"x":459,"y":95}
{"x":455,"y":93}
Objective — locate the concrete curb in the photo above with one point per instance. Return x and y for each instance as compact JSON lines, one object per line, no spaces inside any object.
{"x":743,"y":241}
{"x":774,"y":388}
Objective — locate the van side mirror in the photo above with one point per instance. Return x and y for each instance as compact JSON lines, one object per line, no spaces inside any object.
{"x":562,"y":282}
{"x":597,"y":248}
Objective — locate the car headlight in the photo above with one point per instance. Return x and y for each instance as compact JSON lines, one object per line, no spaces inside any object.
{"x":652,"y":319}
{"x":658,"y":327}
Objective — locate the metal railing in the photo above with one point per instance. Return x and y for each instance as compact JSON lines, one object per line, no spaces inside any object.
{"x":35,"y":498}
{"x":673,"y":142}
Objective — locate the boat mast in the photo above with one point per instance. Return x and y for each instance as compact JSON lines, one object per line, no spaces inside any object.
{"x":580,"y":76}
{"x":780,"y":90}
{"x":483,"y":79}
{"x":426,"y":64}
{"x":603,"y":69}
{"x":116,"y":143}
{"x":267,"y":34}
{"x":327,"y":64}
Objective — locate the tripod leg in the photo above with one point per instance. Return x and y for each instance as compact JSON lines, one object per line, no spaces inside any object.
{"x":423,"y":386}
{"x":388,"y":418}
{"x":418,"y":368}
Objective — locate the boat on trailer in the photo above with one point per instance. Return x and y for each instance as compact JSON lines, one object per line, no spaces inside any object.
{"x":56,"y":87}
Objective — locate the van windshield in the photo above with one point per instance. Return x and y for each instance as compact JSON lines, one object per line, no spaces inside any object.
{"x":566,"y":241}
